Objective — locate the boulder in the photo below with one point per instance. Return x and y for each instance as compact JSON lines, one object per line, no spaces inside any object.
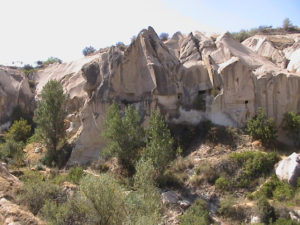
{"x":169,"y":197}
{"x":288,"y":169}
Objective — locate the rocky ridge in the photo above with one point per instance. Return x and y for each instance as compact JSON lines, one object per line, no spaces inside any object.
{"x":188,"y":77}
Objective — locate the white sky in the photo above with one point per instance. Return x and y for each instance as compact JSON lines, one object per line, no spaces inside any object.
{"x":34,"y":30}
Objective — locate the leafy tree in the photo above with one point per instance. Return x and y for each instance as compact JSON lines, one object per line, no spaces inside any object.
{"x":287,"y":24}
{"x":260,"y":127}
{"x":49,"y":117}
{"x":159,"y":143}
{"x":19,"y":131}
{"x":124,"y":135}
{"x":88,"y":50}
{"x":291,"y":124}
{"x":164,"y":36}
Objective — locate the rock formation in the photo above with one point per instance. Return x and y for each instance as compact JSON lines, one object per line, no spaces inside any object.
{"x":188,"y":77}
{"x":14,"y":92}
{"x":288,"y":169}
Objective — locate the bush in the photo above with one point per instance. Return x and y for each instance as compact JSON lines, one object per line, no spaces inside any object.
{"x":208,"y":172}
{"x":52,"y":60}
{"x":228,"y":210}
{"x":221,"y":135}
{"x":266,"y":211}
{"x":164,"y":36}
{"x":223,"y":183}
{"x":260,"y":127}
{"x":19,"y":131}
{"x":159,"y":143}
{"x":274,"y":188}
{"x":36,"y":191}
{"x":291,"y":124}
{"x":196,"y":214}
{"x":254,"y":165}
{"x":74,"y":211}
{"x":75,"y":174}
{"x":88,"y":50}
{"x":124,"y":135}
{"x":105,"y":198}
{"x":287,"y":24}
{"x":12,"y":150}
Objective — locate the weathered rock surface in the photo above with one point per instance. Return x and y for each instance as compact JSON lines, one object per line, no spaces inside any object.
{"x":14,"y":91}
{"x":189,"y":78}
{"x":12,"y":214}
{"x":283,"y":50}
{"x":288,"y":169}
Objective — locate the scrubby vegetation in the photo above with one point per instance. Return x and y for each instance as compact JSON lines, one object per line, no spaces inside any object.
{"x":262,"y":128}
{"x":88,"y":50}
{"x":291,"y":124}
{"x":196,"y":214}
{"x":212,"y":168}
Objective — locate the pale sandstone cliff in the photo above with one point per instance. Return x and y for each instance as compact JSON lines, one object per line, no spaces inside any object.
{"x":189,"y":78}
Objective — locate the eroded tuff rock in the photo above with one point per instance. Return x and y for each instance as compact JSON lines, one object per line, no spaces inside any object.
{"x":14,"y":91}
{"x":189,"y":78}
{"x":283,"y":50}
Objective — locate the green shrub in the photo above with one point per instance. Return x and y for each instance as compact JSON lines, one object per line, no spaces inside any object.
{"x":266,"y":211}
{"x":124,"y":135}
{"x":196,"y":214}
{"x":224,"y":184}
{"x":274,"y":188}
{"x":159,"y":143}
{"x":12,"y":150}
{"x":291,"y":124}
{"x":36,"y":191}
{"x":75,"y":174}
{"x":105,"y":198}
{"x":19,"y":131}
{"x":254,"y":165}
{"x":52,"y":60}
{"x":74,"y":211}
{"x":260,"y":127}
{"x":229,"y":210}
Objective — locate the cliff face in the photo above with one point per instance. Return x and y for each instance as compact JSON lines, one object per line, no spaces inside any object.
{"x":14,"y":91}
{"x":189,"y":78}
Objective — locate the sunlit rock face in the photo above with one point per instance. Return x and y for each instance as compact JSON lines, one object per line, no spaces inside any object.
{"x":189,"y":78}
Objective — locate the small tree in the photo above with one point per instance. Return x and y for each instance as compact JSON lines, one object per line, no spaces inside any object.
{"x":287,"y":24}
{"x":291,"y":124}
{"x":19,"y":131}
{"x":88,"y":50}
{"x":260,"y":127}
{"x":164,"y":36}
{"x":159,"y":144}
{"x":49,"y":117}
{"x":125,"y":135}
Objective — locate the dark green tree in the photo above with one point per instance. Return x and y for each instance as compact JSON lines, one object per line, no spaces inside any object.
{"x":49,"y":117}
{"x":262,"y":128}
{"x":19,"y":131}
{"x":291,"y":124}
{"x":159,"y":143}
{"x":125,"y":135}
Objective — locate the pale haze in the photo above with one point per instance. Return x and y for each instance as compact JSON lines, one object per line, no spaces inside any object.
{"x":34,"y":30}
